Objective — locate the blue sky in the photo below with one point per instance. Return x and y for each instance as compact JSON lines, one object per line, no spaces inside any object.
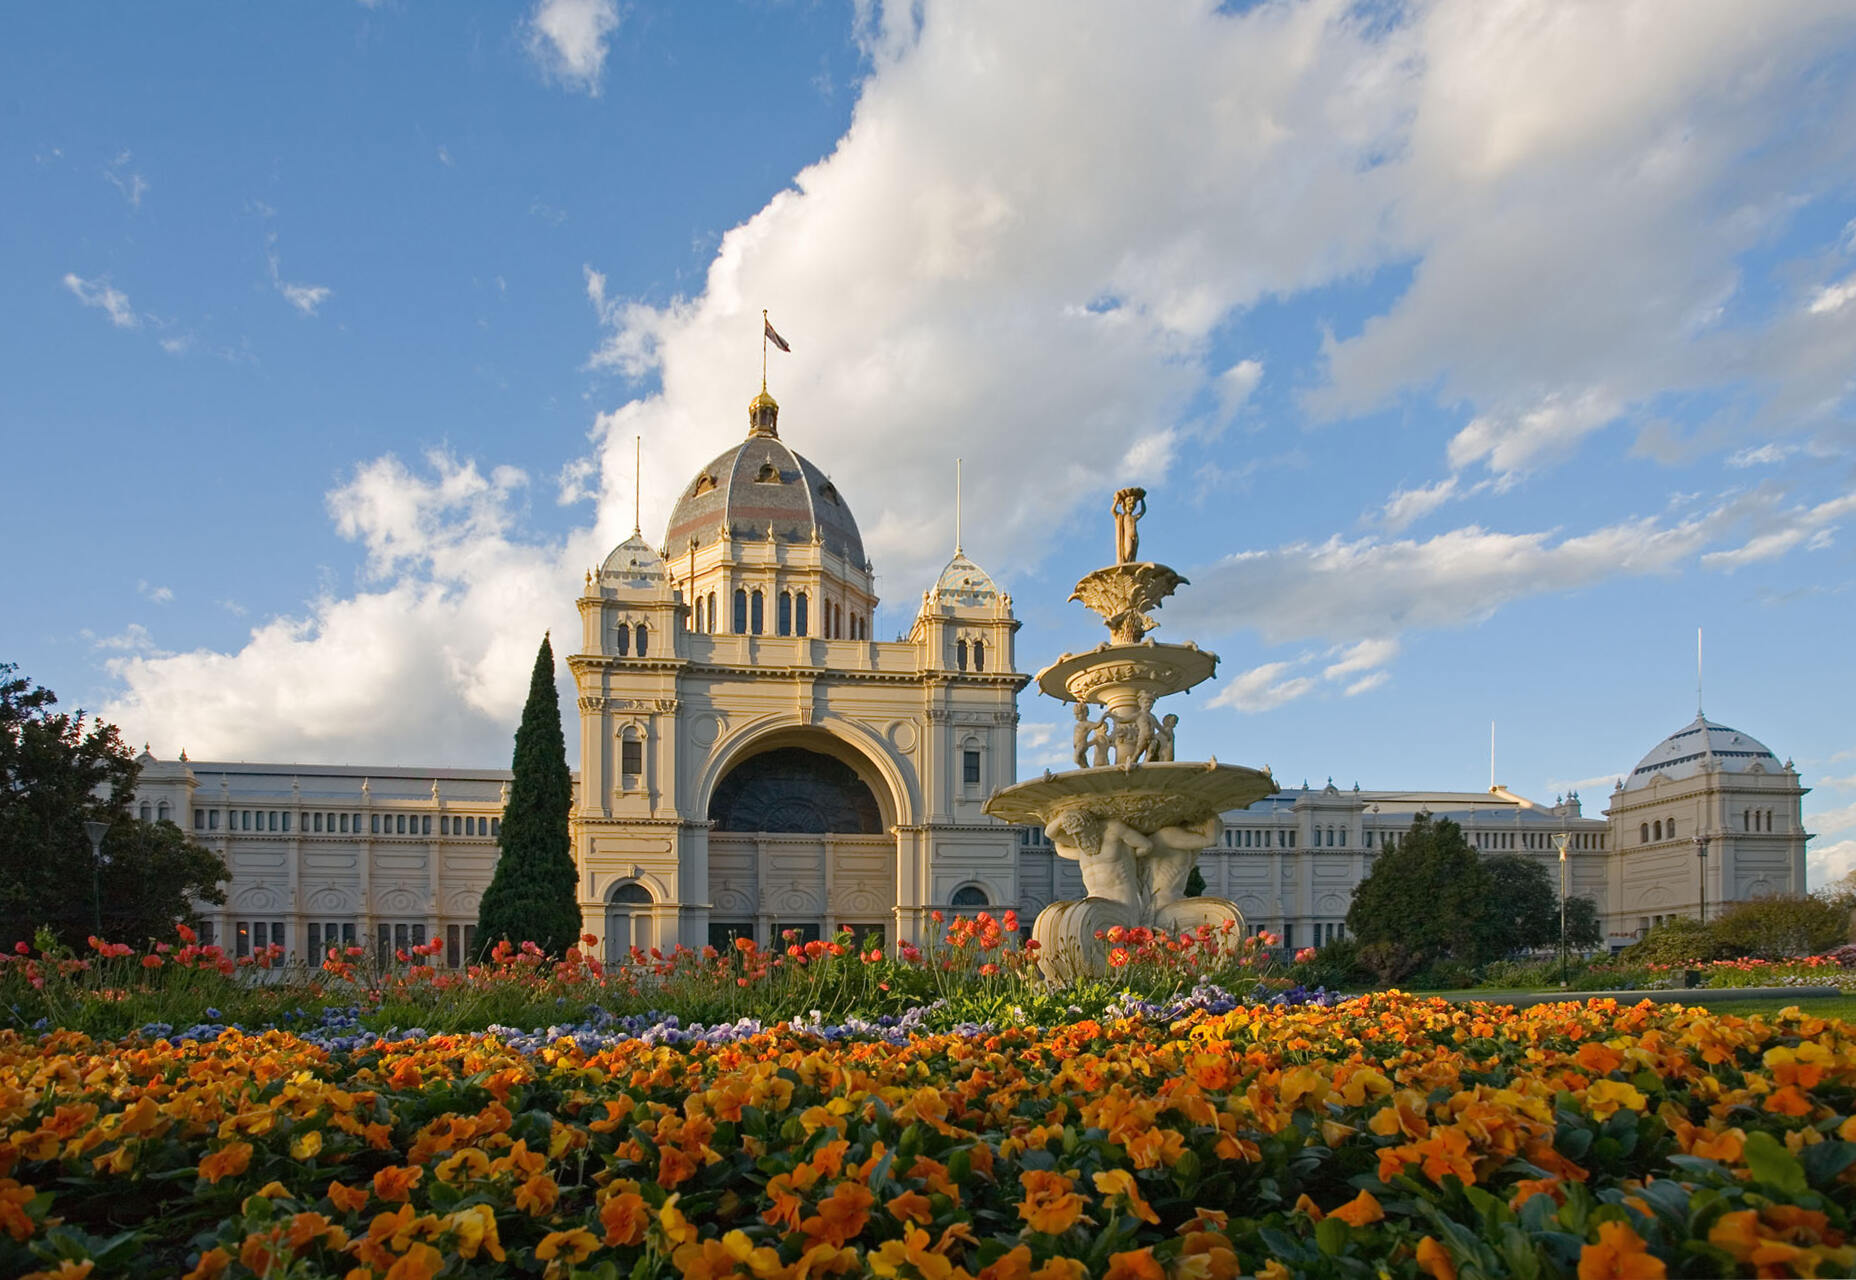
{"x":1473,"y":355}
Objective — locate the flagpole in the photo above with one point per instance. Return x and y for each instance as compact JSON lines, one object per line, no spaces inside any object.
{"x":764,"y":322}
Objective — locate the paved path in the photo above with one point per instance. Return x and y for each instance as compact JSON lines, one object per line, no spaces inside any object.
{"x":1693,"y":995}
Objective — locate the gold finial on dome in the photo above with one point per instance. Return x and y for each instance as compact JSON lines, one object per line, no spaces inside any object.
{"x":764,"y":414}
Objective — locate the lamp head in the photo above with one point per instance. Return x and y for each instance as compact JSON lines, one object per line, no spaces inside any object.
{"x":96,"y":831}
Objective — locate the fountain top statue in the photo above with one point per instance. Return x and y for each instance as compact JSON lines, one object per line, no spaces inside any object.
{"x":1135,"y":826}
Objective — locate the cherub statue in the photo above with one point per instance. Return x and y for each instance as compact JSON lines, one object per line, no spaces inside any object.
{"x":1099,"y":740}
{"x":1162,"y":750}
{"x":1145,"y":728}
{"x":1080,"y":734}
{"x":1130,"y":506}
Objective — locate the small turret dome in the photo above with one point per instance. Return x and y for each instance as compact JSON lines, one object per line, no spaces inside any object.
{"x":634,"y":564}
{"x":964,"y":583}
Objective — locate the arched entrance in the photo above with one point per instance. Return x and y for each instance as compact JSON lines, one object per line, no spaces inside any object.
{"x":628,"y":922}
{"x":800,"y":843}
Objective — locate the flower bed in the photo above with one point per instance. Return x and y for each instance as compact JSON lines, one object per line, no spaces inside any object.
{"x":1386,"y":1135}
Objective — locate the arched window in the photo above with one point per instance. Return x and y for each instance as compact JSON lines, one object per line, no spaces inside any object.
{"x":741,"y":611}
{"x":960,"y":654}
{"x":1656,"y":828}
{"x":979,"y":655}
{"x":161,"y":812}
{"x":148,"y":811}
{"x":631,"y":753}
{"x":644,"y":640}
{"x":622,"y":640}
{"x":757,"y":612}
{"x":712,"y":622}
{"x":799,"y":614}
{"x":785,"y":614}
{"x":1643,"y":833}
{"x":701,"y":605}
{"x":969,"y":896}
{"x":1669,"y":829}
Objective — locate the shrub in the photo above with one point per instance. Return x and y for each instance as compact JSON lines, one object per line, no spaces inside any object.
{"x":1390,"y":962}
{"x":1777,"y":927}
{"x":1678,"y":940}
{"x":1335,"y":966}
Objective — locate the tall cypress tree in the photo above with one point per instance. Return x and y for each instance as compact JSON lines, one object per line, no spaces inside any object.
{"x":532,"y":896}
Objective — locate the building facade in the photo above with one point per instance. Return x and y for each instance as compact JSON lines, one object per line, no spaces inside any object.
{"x":753,"y":761}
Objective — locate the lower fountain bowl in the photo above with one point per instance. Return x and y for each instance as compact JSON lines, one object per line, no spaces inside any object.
{"x":1145,"y":796}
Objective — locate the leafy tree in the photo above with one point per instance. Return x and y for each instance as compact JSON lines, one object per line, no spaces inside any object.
{"x":57,"y":772}
{"x":1678,"y":940}
{"x":1522,"y":909}
{"x":532,"y":897}
{"x":143,"y":862}
{"x":1423,"y":901}
{"x":1195,"y":883}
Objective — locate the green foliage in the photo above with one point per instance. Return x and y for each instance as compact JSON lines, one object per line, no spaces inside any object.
{"x":1195,"y":883}
{"x":151,"y":871}
{"x":1583,"y":931}
{"x":532,"y":897}
{"x":1423,"y":901}
{"x":1776,"y":927}
{"x":1522,"y":910}
{"x":57,"y":772}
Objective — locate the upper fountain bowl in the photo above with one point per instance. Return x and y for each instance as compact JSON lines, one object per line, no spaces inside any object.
{"x":1115,"y":674}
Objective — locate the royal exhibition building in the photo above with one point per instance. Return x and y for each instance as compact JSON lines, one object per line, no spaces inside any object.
{"x":752,"y":760}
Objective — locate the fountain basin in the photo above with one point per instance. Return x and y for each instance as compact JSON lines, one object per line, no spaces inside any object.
{"x":1145,"y":796}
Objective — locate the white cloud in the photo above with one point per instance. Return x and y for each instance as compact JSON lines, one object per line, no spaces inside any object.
{"x":1366,"y":684}
{"x":1847,"y":783}
{"x":304,"y":297}
{"x":1810,"y":527}
{"x":1830,"y":822}
{"x":1330,"y":589}
{"x":1514,"y":440}
{"x":1827,"y":864}
{"x":568,"y":39}
{"x":430,"y":664}
{"x":133,"y":186}
{"x":444,"y":158}
{"x":1833,"y":297}
{"x":160,"y":595}
{"x":1237,"y":384}
{"x":101,"y":293}
{"x":1761,"y":455}
{"x":1264,"y":688}
{"x":1408,"y":506}
{"x":1364,"y":656}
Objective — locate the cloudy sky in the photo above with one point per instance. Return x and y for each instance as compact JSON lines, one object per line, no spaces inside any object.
{"x":1474,"y":353}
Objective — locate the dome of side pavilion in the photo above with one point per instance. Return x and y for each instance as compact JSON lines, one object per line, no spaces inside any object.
{"x":1699,"y":745}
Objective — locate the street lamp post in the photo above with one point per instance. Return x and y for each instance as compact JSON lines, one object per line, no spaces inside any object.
{"x":1560,"y":843}
{"x":1701,"y":856}
{"x":96,"y":831}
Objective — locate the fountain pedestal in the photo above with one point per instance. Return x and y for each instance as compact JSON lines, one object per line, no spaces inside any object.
{"x":1136,"y":824}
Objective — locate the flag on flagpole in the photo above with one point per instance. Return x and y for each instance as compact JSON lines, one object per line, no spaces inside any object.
{"x":772,"y":335}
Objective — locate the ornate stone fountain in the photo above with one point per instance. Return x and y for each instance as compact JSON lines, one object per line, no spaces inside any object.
{"x":1131,"y":815}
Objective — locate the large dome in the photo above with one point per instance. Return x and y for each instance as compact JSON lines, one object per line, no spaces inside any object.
{"x":761,"y":485}
{"x":1702,"y":744}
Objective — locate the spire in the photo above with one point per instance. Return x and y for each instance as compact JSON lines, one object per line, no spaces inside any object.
{"x":1699,"y":713}
{"x":958,"y":550}
{"x":637,"y":483}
